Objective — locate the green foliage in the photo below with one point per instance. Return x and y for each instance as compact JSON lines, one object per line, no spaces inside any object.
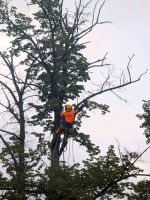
{"x":84,"y":140}
{"x":27,"y":176}
{"x":52,"y":51}
{"x":102,"y":107}
{"x":98,"y":176}
{"x":141,"y":191}
{"x":146,"y":118}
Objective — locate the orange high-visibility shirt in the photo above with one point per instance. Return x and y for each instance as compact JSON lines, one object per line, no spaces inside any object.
{"x":69,"y":116}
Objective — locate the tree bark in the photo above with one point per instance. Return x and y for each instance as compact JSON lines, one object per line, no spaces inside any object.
{"x":56,"y":139}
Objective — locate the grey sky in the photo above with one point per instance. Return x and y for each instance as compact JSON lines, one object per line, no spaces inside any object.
{"x":127,"y":35}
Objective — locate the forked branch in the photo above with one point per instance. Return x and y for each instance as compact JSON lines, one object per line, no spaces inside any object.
{"x":124,"y":82}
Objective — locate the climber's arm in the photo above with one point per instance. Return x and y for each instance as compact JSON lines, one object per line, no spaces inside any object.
{"x":80,"y":108}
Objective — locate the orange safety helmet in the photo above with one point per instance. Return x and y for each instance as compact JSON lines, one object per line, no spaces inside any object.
{"x":68,"y":107}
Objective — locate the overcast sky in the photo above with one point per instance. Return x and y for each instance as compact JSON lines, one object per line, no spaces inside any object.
{"x":127,"y":35}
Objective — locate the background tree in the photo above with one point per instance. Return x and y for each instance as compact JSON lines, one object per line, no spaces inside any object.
{"x":146,"y":118}
{"x":21,"y":162}
{"x":141,"y":190}
{"x":14,"y":91}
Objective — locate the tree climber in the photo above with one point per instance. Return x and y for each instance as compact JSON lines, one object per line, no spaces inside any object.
{"x":67,"y":121}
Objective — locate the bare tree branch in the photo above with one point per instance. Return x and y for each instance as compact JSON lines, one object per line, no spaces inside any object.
{"x":112,"y":88}
{"x":10,"y":133}
{"x":93,"y":23}
{"x":10,"y":108}
{"x":111,"y":184}
{"x":128,"y":66}
{"x":140,"y":155}
{"x":11,"y":153}
{"x":93,"y":64}
{"x":119,"y":97}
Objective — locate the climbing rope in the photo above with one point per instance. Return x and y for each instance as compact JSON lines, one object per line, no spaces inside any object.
{"x":73,"y":152}
{"x":69,"y":153}
{"x":63,"y":156}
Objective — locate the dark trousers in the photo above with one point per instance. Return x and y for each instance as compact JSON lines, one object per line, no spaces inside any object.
{"x":67,"y":127}
{"x":66,"y":130}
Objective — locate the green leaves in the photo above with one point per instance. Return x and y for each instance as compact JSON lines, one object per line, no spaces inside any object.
{"x":102,"y":107}
{"x":140,"y":190}
{"x":146,"y":120}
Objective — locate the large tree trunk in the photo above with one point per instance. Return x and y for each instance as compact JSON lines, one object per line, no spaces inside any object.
{"x":56,"y":139}
{"x":21,"y":167}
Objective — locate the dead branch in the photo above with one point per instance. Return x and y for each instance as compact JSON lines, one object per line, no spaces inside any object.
{"x":123,"y":83}
{"x":118,"y":96}
{"x":94,"y":22}
{"x":140,"y":155}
